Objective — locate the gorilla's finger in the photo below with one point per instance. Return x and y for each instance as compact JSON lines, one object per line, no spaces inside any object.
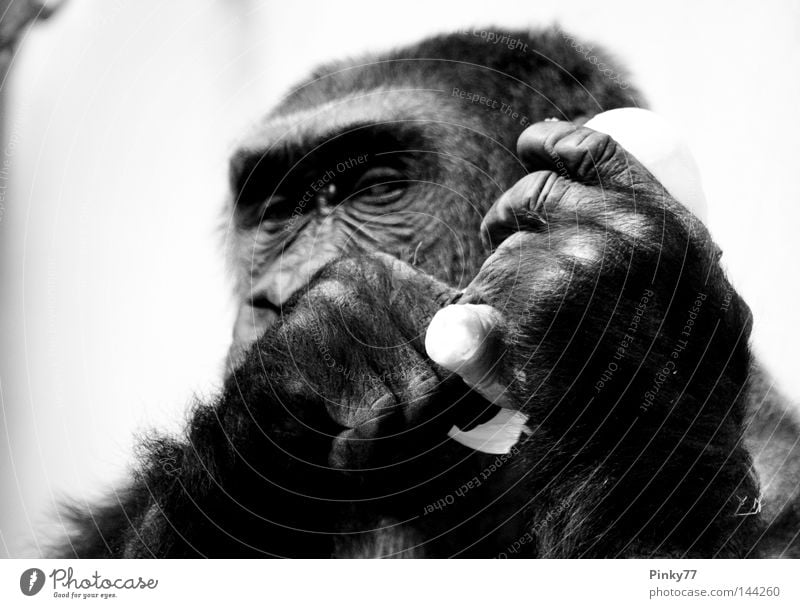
{"x":527,"y":205}
{"x":359,"y":447}
{"x":579,"y":153}
{"x":465,"y":339}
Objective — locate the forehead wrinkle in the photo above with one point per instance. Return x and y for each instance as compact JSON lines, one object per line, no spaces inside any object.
{"x":309,"y":128}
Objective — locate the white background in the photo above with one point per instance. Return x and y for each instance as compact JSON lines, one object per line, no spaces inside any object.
{"x":115,"y":308}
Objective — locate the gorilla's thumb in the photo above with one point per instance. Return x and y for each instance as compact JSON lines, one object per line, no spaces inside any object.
{"x":464,"y":338}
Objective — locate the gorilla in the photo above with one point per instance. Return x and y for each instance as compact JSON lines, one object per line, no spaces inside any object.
{"x":457,"y":173}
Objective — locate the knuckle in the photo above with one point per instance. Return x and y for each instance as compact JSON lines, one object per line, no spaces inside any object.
{"x":592,"y":150}
{"x":527,"y":205}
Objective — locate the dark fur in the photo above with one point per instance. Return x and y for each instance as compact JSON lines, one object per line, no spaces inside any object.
{"x":292,"y":459}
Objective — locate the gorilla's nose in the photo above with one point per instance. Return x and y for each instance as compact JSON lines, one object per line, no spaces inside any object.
{"x":253,"y":319}
{"x":262,"y":301}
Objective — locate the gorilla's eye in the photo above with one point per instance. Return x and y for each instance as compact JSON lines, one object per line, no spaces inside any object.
{"x":278,"y":207}
{"x":380,"y":185}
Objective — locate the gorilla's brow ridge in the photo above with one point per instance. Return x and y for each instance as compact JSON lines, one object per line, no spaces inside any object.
{"x":295,"y":160}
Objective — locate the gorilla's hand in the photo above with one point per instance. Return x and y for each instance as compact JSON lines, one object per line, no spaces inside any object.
{"x":608,"y":301}
{"x":605,"y":317}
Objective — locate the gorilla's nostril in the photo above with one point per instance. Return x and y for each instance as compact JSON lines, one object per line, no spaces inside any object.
{"x":263,"y":302}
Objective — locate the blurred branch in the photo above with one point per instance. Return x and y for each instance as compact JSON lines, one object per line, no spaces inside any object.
{"x":15,"y":18}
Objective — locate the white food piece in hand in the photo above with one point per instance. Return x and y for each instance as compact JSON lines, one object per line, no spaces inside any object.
{"x":455,"y":336}
{"x":496,"y":436}
{"x":460,"y":338}
{"x":658,"y":145}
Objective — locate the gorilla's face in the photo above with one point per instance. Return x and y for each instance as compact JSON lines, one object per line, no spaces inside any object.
{"x":396,"y":171}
